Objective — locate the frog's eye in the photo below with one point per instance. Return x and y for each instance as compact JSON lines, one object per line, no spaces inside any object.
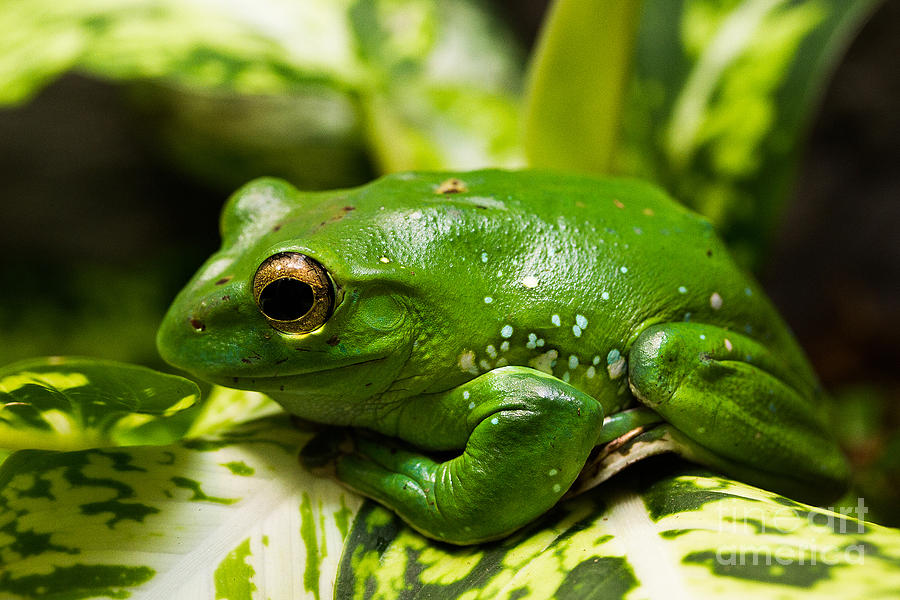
{"x":293,"y":292}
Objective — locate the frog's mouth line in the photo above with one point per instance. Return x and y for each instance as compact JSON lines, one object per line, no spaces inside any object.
{"x":279,"y":382}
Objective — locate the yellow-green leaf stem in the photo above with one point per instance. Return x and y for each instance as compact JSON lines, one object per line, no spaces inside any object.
{"x":578,"y":83}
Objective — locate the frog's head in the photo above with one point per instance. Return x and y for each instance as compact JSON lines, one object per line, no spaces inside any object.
{"x":288,"y":307}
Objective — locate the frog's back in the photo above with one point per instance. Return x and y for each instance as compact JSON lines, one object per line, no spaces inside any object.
{"x":632,"y":256}
{"x":564,"y":270}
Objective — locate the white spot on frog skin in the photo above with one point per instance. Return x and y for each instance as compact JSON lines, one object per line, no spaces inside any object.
{"x":484,"y":257}
{"x":566,"y":377}
{"x":557,"y":487}
{"x":555,"y":320}
{"x":504,"y":346}
{"x":715,"y":301}
{"x":491,"y":351}
{"x":748,"y":291}
{"x":682,"y":290}
{"x":604,"y":296}
{"x":615,"y":364}
{"x":494,"y":421}
{"x":702,"y":336}
{"x":471,"y":405}
{"x":215,"y":268}
{"x":581,"y":321}
{"x":544,"y":362}
{"x":552,"y":472}
{"x":617,"y":369}
{"x":638,"y":231}
{"x":532,"y":341}
{"x":488,"y":299}
{"x":466,"y":362}
{"x":501,"y":362}
{"x":466,"y":395}
{"x":576,"y":330}
{"x":530,"y":281}
{"x":384,"y":259}
{"x":507,"y":331}
{"x":596,"y":360}
{"x":701,"y":430}
{"x":485,"y":365}
{"x":573,"y":362}
{"x":728,"y":345}
{"x":623,"y":269}
{"x":590,"y":372}
{"x":539,"y":343}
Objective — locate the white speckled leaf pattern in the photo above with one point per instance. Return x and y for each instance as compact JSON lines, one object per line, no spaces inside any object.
{"x":229,"y":517}
{"x":235,"y":517}
{"x":649,"y":534}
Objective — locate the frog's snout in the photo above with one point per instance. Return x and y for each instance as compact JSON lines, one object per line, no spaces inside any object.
{"x":184,"y":331}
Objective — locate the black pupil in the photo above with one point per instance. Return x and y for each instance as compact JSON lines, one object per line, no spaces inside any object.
{"x":286,"y":299}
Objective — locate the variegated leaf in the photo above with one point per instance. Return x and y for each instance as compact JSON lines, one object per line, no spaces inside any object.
{"x":64,"y":403}
{"x":721,"y":96}
{"x":228,"y":517}
{"x":266,"y":47}
{"x":311,"y":90}
{"x":225,"y":408}
{"x":684,"y":534}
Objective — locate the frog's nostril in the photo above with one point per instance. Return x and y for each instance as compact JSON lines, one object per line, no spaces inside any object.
{"x":197,"y":324}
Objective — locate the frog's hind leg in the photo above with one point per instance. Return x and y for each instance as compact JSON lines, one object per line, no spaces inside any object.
{"x":732,"y":397}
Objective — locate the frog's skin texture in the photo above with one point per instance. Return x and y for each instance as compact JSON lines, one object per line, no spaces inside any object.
{"x":509,"y":319}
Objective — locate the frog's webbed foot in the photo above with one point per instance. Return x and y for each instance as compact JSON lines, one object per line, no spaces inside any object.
{"x":739,"y":403}
{"x":529,"y":435}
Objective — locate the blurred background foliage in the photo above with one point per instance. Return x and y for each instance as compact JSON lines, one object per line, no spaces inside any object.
{"x":114,"y":175}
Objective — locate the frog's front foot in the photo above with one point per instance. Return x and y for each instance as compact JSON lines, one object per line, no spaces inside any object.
{"x":750,"y":415}
{"x":529,"y":435}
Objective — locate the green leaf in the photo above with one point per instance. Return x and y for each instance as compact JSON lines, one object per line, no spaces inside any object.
{"x":225,"y":408}
{"x":233,"y":516}
{"x":653,"y":533}
{"x":273,"y":47}
{"x":578,"y":80}
{"x":445,"y":87}
{"x":314,"y":91}
{"x":421,"y":128}
{"x":73,"y":403}
{"x":721,"y":97}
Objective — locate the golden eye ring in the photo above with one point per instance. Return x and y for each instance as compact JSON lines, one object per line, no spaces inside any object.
{"x":293,"y":292}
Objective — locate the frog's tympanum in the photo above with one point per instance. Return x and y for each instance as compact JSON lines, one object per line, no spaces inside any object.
{"x":479,"y":334}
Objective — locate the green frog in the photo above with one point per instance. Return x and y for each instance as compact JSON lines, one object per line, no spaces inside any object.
{"x":479,"y":336}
